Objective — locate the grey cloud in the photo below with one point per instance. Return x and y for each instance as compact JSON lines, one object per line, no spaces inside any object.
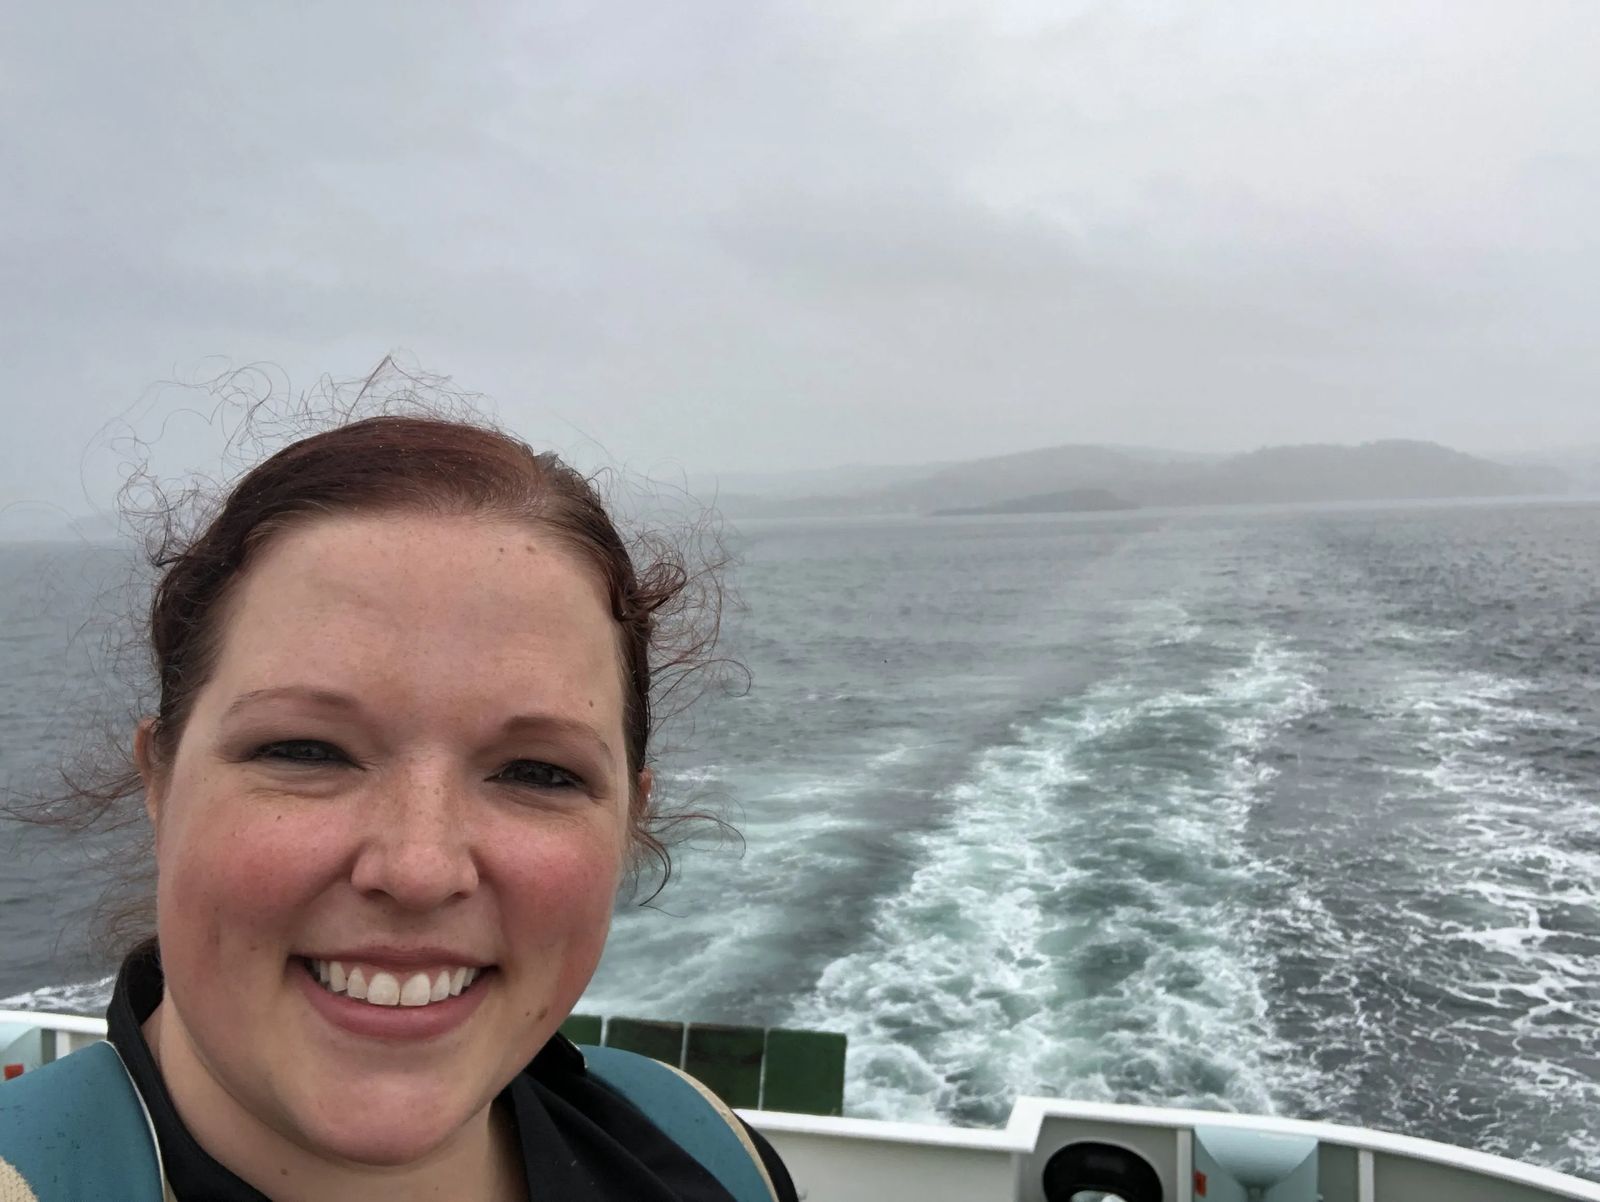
{"x":779,"y":235}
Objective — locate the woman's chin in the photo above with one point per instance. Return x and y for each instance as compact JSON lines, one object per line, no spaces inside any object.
{"x":387,"y":1127}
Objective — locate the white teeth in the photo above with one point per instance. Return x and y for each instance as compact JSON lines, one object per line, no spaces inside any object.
{"x":383,"y":989}
{"x":416,"y":990}
{"x":380,"y":988}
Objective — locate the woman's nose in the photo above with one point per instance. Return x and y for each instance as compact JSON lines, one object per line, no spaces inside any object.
{"x":417,"y":848}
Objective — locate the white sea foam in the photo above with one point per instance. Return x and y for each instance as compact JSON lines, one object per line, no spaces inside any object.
{"x":1077,"y":928}
{"x":80,"y":997}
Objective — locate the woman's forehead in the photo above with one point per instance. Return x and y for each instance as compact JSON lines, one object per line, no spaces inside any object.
{"x":459,"y":606}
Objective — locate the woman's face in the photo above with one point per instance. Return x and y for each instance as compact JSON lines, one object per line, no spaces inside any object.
{"x":408,"y":761}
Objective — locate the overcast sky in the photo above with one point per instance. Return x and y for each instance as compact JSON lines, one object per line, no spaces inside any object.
{"x":757,"y":235}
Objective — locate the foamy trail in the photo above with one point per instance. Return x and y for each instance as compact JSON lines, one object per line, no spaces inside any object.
{"x":1079,"y":926}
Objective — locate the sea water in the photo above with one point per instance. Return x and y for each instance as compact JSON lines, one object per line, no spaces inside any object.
{"x":1286,"y":811}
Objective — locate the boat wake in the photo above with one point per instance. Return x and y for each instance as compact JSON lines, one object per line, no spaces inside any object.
{"x":1081,"y":926}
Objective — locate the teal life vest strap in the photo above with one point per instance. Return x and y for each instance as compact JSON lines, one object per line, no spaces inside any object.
{"x":76,"y":1128}
{"x":687,"y":1113}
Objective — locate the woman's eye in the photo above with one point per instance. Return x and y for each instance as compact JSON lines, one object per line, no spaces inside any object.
{"x":301,"y":751}
{"x":538,"y":775}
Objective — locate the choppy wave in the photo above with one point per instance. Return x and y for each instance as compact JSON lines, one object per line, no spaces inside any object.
{"x":1445,"y":919}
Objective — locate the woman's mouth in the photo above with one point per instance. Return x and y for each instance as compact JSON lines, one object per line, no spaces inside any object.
{"x":381,"y":987}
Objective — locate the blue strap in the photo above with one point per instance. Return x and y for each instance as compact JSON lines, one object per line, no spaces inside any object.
{"x":684,"y":1116}
{"x":75,"y":1129}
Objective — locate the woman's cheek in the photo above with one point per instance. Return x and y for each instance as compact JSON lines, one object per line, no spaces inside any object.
{"x":573,"y":879}
{"x":254,"y":862}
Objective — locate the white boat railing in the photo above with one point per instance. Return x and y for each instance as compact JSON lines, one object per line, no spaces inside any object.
{"x":865,"y":1160}
{"x":29,"y":1038}
{"x":869,"y":1160}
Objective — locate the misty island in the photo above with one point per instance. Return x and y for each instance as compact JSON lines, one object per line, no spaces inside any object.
{"x":1097,"y":479}
{"x":1071,"y":500}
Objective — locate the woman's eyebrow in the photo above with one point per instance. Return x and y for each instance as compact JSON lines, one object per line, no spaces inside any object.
{"x":558,"y":726}
{"x":307,"y":694}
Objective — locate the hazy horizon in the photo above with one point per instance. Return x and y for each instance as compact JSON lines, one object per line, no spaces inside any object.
{"x":49,"y":517}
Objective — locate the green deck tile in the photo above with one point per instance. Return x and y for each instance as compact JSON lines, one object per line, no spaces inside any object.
{"x":657,"y":1040}
{"x":805,"y":1072}
{"x":727,"y":1060}
{"x":583,"y":1028}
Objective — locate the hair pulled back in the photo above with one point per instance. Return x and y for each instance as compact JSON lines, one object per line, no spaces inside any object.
{"x":667,"y":612}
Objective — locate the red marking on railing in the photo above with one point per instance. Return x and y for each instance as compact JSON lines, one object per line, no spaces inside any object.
{"x":13,"y":1070}
{"x":1199,"y":1184}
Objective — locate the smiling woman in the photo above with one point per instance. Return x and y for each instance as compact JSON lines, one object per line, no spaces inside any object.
{"x":396,"y":774}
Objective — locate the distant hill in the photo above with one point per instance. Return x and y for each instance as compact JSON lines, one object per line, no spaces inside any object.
{"x":1393,"y":470}
{"x":979,"y":482}
{"x":983,"y":482}
{"x":1580,"y":465}
{"x":1073,"y":500}
{"x":914,"y":488}
{"x":1048,"y":479}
